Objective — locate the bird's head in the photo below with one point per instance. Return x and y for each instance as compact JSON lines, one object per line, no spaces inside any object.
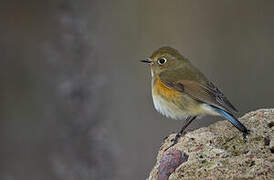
{"x":165,"y":59}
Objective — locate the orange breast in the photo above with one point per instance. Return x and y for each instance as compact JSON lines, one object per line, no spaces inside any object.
{"x":159,"y":88}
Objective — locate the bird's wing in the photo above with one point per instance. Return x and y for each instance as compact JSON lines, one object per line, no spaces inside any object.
{"x":207,"y":93}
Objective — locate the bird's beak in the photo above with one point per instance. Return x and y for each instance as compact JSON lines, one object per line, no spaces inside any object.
{"x":146,"y":60}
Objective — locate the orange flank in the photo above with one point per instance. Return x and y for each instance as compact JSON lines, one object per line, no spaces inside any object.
{"x":159,"y":88}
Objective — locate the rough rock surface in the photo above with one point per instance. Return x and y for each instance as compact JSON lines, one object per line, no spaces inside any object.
{"x":220,"y":151}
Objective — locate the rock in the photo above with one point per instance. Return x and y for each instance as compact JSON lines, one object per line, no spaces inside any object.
{"x":220,"y":151}
{"x":169,"y":162}
{"x":271,"y":146}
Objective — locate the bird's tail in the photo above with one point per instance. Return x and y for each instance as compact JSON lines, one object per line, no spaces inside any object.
{"x":233,"y":120}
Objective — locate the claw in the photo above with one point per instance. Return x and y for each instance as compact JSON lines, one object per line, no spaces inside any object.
{"x":174,"y":141}
{"x":165,"y":138}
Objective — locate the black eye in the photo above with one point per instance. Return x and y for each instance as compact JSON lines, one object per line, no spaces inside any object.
{"x":162,"y":61}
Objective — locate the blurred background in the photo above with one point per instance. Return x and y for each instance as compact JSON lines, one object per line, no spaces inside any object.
{"x":75,"y":102}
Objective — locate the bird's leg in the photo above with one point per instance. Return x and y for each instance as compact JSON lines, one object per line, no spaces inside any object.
{"x":187,"y":122}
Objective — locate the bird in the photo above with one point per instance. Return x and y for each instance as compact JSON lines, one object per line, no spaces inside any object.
{"x":180,"y":91}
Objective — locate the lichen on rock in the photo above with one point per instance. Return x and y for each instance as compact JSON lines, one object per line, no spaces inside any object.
{"x":221,"y":152}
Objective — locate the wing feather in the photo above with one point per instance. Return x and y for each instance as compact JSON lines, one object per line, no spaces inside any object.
{"x":206,"y":92}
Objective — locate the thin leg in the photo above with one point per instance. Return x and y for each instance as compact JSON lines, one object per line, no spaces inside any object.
{"x":187,"y":122}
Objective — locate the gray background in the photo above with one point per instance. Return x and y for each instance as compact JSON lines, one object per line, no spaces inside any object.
{"x":75,"y":101}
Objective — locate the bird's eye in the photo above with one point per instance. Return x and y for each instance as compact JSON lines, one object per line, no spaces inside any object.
{"x":162,"y":61}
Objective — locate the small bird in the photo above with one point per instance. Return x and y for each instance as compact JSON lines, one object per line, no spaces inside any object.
{"x":181,"y":91}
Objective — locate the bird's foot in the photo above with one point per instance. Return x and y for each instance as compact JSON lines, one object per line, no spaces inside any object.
{"x":165,"y":138}
{"x":168,"y":136}
{"x":174,"y":141}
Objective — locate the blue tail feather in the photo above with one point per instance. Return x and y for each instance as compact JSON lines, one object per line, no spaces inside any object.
{"x":233,"y":120}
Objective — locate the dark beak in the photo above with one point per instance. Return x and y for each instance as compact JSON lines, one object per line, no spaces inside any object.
{"x":146,"y":60}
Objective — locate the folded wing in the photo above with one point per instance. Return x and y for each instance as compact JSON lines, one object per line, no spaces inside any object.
{"x":206,"y":92}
